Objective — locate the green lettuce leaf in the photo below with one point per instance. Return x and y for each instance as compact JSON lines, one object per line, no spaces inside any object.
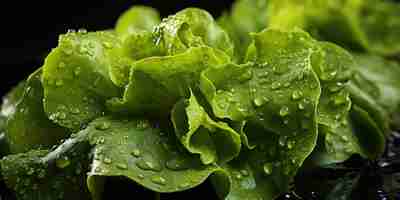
{"x":277,"y":96}
{"x":370,"y":25}
{"x":380,"y":82}
{"x":33,"y":178}
{"x":137,"y":19}
{"x":370,"y":136}
{"x":191,"y":27}
{"x":142,"y":153}
{"x":157,"y":83}
{"x":213,"y":141}
{"x":76,"y":78}
{"x":10,"y":100}
{"x":334,"y":67}
{"x":28,"y":126}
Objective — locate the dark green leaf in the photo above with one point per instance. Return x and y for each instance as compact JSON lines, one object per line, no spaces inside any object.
{"x":27,"y":126}
{"x":371,"y":138}
{"x":33,"y":179}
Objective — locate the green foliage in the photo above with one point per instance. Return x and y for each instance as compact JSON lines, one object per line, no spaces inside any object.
{"x":248,"y":102}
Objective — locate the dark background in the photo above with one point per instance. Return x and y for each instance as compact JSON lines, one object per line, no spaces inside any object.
{"x":29,"y":29}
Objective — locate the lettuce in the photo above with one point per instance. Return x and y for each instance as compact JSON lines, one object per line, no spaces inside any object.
{"x":168,"y":104}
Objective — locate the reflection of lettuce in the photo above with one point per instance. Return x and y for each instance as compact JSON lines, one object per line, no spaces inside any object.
{"x":169,"y":104}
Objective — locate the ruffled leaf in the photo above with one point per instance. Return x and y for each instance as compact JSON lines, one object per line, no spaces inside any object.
{"x":277,"y":96}
{"x":191,"y":27}
{"x":76,"y":78}
{"x":157,"y":83}
{"x":213,"y":141}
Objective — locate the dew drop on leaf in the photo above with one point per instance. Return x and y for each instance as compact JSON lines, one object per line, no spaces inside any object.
{"x":158,"y":180}
{"x":136,"y":152}
{"x":284,"y":111}
{"x":122,"y":166}
{"x":148,"y":165}
{"x":267,"y":167}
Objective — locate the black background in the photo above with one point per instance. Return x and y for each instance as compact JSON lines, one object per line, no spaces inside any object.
{"x":29,"y":29}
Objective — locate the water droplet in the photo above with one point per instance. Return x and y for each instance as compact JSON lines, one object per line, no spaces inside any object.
{"x":136,"y":153}
{"x":140,"y":176}
{"x":184,"y":185}
{"x":263,"y":74}
{"x":275,"y":85}
{"x":82,"y":30}
{"x":148,"y":165}
{"x":244,"y":172}
{"x":101,"y":140}
{"x":296,"y":95}
{"x":67,"y":51}
{"x":301,"y":106}
{"x":107,"y":160}
{"x":177,"y":164}
{"x":122,"y":166}
{"x":259,"y":101}
{"x":158,"y":180}
{"x":290,"y":144}
{"x":246,"y":76}
{"x":59,"y":82}
{"x":238,"y":176}
{"x":61,"y":65}
{"x":142,"y":124}
{"x":267,"y":168}
{"x":62,"y":162}
{"x":75,"y":111}
{"x":77,"y":71}
{"x":286,"y":84}
{"x":102,"y":126}
{"x":61,"y":115}
{"x":284,"y":111}
{"x":282,"y":140}
{"x":107,"y":45}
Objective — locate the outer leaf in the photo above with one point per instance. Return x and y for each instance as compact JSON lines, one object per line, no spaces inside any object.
{"x":31,"y":179}
{"x":334,"y":68}
{"x":27,"y":126}
{"x":370,"y":136}
{"x":278,"y":94}
{"x":360,"y":25}
{"x":213,"y":141}
{"x":245,"y":179}
{"x":11,"y":99}
{"x":190,"y":28}
{"x":382,"y":84}
{"x":134,"y":149}
{"x":76,"y":78}
{"x":137,"y":19}
{"x":157,"y":83}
